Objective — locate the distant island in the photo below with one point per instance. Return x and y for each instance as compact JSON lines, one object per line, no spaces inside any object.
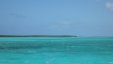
{"x":37,"y":36}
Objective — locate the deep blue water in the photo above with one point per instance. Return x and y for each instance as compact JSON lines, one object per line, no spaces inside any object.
{"x":56,"y":50}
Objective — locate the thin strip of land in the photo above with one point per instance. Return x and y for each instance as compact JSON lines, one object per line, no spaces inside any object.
{"x":37,"y":36}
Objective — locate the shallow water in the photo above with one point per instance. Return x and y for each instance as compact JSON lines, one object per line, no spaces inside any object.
{"x":56,"y":50}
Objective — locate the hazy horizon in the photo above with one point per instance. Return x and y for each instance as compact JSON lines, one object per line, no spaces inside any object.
{"x":57,"y":17}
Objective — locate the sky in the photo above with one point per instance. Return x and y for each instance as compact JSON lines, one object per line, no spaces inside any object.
{"x":56,"y":17}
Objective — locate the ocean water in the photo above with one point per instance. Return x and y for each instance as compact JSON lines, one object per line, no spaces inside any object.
{"x":56,"y":50}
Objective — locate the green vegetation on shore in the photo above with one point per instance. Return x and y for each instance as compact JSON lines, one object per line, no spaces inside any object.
{"x":37,"y":36}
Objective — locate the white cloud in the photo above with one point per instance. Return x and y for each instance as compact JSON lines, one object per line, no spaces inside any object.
{"x":62,"y":26}
{"x":109,"y":5}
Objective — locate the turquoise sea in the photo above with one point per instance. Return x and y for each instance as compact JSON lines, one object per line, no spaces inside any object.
{"x":56,"y":50}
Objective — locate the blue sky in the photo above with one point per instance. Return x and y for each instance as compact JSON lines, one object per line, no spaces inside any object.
{"x":62,"y":17}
